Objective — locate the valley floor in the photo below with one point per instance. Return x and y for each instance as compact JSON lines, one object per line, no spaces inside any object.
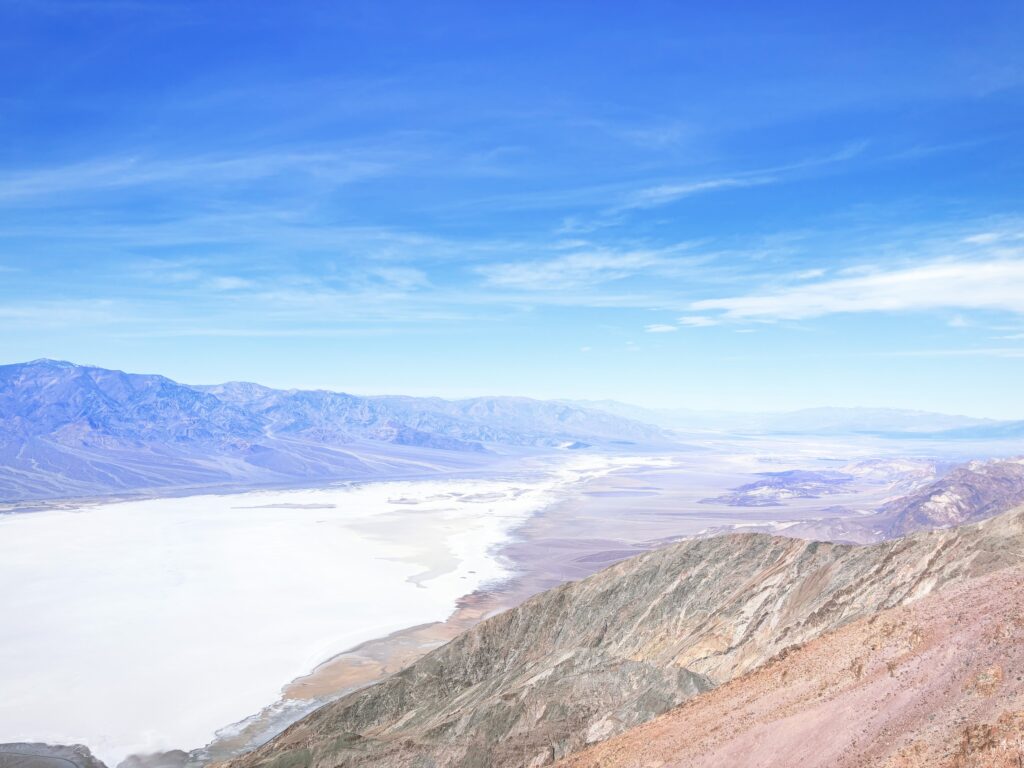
{"x":162,"y":620}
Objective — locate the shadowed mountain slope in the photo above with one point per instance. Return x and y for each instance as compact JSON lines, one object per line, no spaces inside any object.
{"x":590,"y":659}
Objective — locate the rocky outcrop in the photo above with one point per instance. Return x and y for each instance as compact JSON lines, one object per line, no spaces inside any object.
{"x":590,"y":659}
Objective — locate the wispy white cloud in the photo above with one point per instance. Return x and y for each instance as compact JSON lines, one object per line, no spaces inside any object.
{"x":58,"y":314}
{"x":626,"y":199}
{"x":230,"y":283}
{"x":654,"y":134}
{"x":957,"y":321}
{"x":403,"y":278}
{"x":809,"y":274}
{"x":697,"y":321}
{"x":983,"y":238}
{"x":1003,"y":352}
{"x":658,"y":135}
{"x":112,"y":173}
{"x":994,"y":284}
{"x":194,"y":331}
{"x":585,"y":268}
{"x":663,"y":194}
{"x":687,"y":321}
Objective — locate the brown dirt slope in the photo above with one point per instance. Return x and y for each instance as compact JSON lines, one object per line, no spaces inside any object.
{"x":933,"y":684}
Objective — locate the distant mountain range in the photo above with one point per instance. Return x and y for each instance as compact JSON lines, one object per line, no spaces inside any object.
{"x":881,"y":422}
{"x":72,"y":430}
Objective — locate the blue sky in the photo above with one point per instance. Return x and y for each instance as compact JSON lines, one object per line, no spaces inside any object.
{"x":714,"y":205}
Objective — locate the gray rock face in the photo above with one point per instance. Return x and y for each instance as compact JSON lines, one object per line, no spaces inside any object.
{"x":589,"y":659}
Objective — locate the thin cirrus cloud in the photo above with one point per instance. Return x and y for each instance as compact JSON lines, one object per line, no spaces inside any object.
{"x":230,"y":283}
{"x":652,"y":196}
{"x":697,"y":321}
{"x":995,"y":284}
{"x":1009,"y":353}
{"x":132,"y":172}
{"x":664,"y":194}
{"x":689,"y":321}
{"x":584,"y":268}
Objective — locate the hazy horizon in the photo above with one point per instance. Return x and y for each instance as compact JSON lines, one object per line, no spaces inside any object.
{"x":654,"y":408}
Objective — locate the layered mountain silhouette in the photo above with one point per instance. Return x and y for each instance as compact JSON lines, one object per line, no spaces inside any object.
{"x":74,"y":430}
{"x":70,"y":430}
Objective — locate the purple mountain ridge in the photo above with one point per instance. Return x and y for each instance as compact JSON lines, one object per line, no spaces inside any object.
{"x":69,"y":430}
